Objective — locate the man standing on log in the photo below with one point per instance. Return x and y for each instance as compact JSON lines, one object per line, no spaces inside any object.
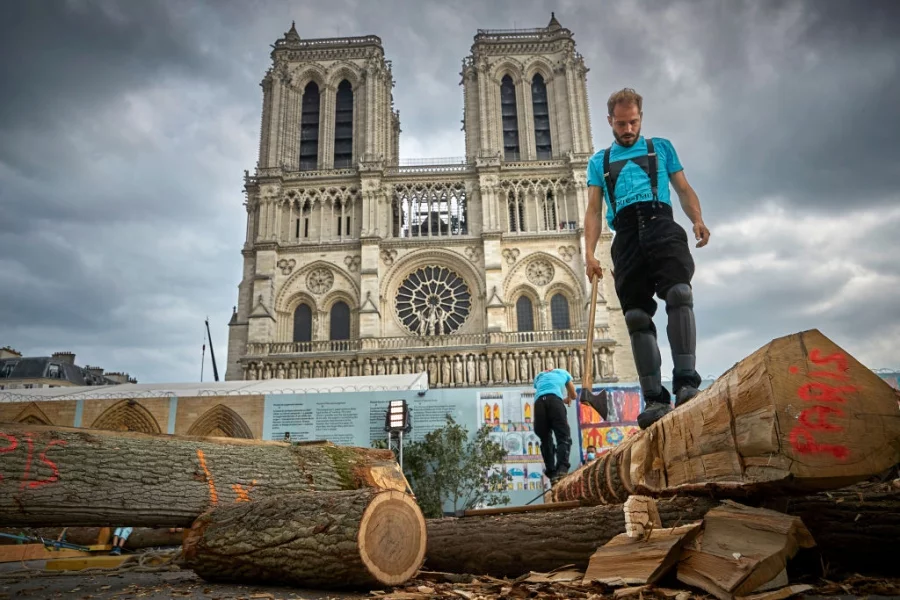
{"x":550,"y":419}
{"x":650,"y":252}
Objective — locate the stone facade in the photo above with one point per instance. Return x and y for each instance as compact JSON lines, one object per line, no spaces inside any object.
{"x":358,"y":263}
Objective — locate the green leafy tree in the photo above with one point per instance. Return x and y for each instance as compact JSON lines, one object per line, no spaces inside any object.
{"x":446,"y":466}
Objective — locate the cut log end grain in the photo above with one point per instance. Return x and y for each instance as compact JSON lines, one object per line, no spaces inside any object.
{"x":354,"y":539}
{"x":392,"y":538}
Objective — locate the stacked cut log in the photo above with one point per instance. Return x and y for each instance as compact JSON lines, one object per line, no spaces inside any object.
{"x":799,"y":415}
{"x":339,"y":539}
{"x":110,"y":478}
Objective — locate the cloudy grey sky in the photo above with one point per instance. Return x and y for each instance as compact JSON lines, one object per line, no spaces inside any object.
{"x":125,"y":128}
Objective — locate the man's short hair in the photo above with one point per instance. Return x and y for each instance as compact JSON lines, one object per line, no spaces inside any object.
{"x":591,"y":446}
{"x":624,"y":96}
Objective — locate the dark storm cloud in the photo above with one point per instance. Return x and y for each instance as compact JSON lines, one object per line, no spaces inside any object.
{"x":125,"y":128}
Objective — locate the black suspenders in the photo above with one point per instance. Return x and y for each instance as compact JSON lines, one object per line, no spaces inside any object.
{"x":611,"y":172}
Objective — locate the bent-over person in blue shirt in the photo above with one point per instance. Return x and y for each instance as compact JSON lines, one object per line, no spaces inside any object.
{"x":552,"y":389}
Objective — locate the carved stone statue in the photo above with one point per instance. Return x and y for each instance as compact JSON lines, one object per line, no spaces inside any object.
{"x":267,"y":372}
{"x":483,"y":370}
{"x":341,"y":369}
{"x":317,"y":369}
{"x":497,"y":369}
{"x":523,"y":367}
{"x":445,"y":371}
{"x":537,"y":365}
{"x":304,"y":371}
{"x":379,"y":367}
{"x":432,"y":372}
{"x":251,"y":373}
{"x":549,"y":361}
{"x":470,"y":369}
{"x":576,"y":364}
{"x":458,"y":377}
{"x":394,"y":367}
{"x":406,"y":367}
{"x":354,"y":368}
{"x":606,"y":363}
{"x":329,"y":369}
{"x":292,"y":370}
{"x":511,"y":375}
{"x":418,"y":365}
{"x":279,"y":371}
{"x":367,"y":367}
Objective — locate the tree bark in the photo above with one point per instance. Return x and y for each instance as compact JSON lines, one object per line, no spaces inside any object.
{"x":353,"y":539}
{"x":799,"y":415}
{"x":514,"y":544}
{"x":60,"y":476}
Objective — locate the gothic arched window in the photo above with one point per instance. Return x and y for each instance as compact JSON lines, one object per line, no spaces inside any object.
{"x":309,"y":128}
{"x":340,"y":321}
{"x":550,"y":212}
{"x":343,"y":126}
{"x":516,"y":212}
{"x":510,"y":116}
{"x":541,"y":111}
{"x":303,"y":323}
{"x":559,"y":312}
{"x":524,"y":314}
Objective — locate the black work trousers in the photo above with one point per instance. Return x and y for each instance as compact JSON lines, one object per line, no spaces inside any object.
{"x":550,"y":420}
{"x":650,"y":254}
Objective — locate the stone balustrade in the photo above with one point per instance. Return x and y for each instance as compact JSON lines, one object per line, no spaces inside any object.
{"x":465,"y":340}
{"x":496,"y":364}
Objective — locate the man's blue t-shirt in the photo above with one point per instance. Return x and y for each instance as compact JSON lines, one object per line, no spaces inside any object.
{"x":552,"y":382}
{"x":633,"y":184}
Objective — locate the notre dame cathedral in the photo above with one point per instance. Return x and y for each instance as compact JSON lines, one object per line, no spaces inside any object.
{"x":357,"y":262}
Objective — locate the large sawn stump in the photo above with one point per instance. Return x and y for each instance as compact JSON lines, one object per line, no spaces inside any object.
{"x":353,"y":539}
{"x":62,"y":476}
{"x":798,"y":415}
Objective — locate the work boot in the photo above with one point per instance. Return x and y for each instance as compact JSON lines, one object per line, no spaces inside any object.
{"x":116,"y":551}
{"x":683,"y":395}
{"x":653,"y":412}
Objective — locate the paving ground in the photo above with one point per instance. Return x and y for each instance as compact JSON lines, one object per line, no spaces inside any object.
{"x":29,"y":580}
{"x":146,"y":586}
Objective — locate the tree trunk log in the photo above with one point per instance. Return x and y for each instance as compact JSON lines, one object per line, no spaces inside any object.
{"x":514,"y":544}
{"x":354,"y":539}
{"x":61,"y":476}
{"x":799,"y":415}
{"x":141,"y":537}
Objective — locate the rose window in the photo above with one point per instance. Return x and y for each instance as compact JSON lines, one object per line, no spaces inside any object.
{"x":433,"y":301}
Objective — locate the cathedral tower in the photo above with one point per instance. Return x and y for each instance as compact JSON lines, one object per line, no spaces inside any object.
{"x":356,"y":262}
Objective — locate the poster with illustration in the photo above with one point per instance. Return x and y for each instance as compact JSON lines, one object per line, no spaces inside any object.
{"x":509,"y":414}
{"x":625,"y":404}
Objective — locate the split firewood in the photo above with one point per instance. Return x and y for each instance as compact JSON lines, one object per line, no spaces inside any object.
{"x":741,"y":548}
{"x":62,"y":476}
{"x":797,"y":415}
{"x":639,"y":560}
{"x":354,"y":539}
{"x":641,"y":516}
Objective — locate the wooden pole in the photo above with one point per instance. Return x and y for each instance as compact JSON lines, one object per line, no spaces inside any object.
{"x":798,"y":415}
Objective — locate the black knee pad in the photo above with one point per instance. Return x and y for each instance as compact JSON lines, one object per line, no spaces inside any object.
{"x":638,"y":320}
{"x":680,"y":295}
